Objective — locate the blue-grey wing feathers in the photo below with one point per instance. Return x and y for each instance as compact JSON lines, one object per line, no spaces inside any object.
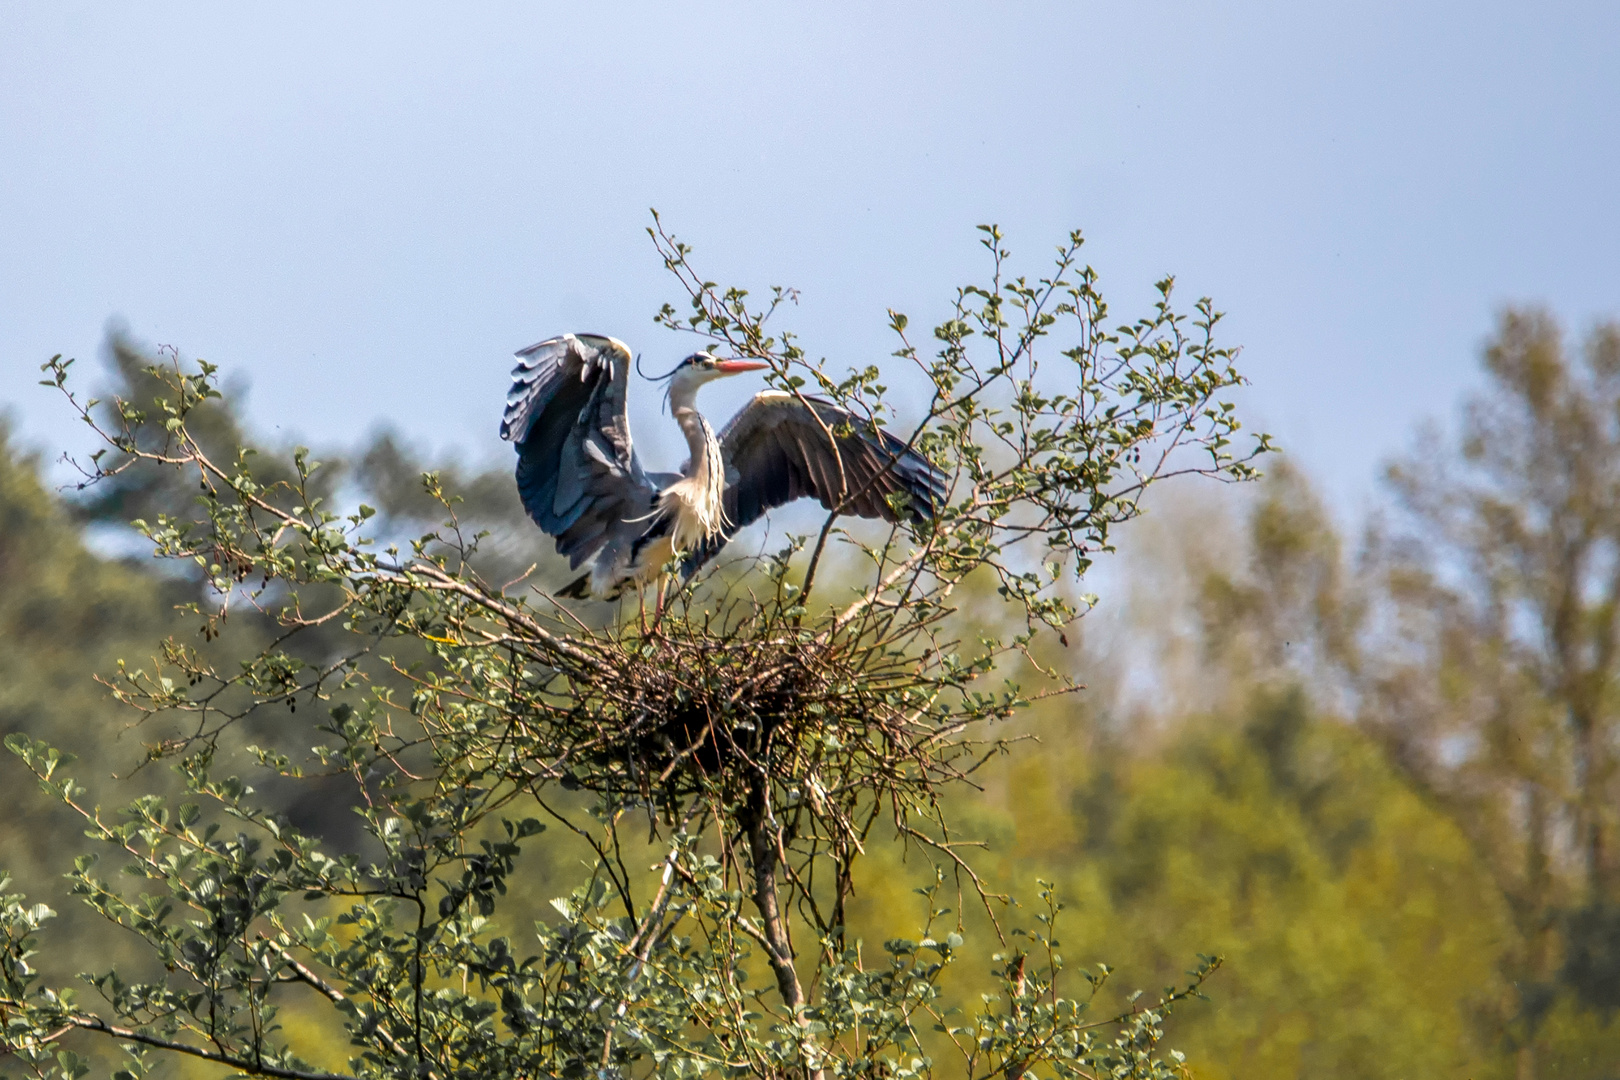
{"x":777,"y":451}
{"x":577,"y":471}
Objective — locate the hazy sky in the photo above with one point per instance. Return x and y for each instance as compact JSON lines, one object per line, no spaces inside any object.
{"x":364,"y":209}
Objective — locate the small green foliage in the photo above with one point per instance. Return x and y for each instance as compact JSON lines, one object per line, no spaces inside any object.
{"x":1050,"y":424}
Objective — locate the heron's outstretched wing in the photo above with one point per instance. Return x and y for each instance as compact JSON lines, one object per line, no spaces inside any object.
{"x":776,"y":451}
{"x":577,"y":469}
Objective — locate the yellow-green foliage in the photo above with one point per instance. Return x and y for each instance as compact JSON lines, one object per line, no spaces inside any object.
{"x":64,"y":615}
{"x":1359,"y":932}
{"x":1363,"y":932}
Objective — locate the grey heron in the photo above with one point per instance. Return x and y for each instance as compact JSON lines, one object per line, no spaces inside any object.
{"x":582,"y":482}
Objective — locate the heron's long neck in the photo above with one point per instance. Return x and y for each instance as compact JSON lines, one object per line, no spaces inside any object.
{"x":701,"y":489}
{"x":700,"y":441}
{"x":706,"y":468}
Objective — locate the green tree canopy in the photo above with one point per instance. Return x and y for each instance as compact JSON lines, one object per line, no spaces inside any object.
{"x":729,"y":765}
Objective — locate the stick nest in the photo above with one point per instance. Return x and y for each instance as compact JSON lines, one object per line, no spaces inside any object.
{"x":760,"y":707}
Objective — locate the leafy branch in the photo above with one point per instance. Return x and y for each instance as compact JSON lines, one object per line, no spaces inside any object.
{"x":782,"y":716}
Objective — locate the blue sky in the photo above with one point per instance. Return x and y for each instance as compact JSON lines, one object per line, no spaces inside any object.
{"x":381,"y":202}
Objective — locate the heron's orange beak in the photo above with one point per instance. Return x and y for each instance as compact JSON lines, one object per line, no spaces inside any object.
{"x":737,"y":367}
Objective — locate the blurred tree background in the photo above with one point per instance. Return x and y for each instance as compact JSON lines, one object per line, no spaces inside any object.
{"x":1378,"y":772}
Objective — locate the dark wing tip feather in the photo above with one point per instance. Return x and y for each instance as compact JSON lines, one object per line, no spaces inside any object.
{"x":912,"y":473}
{"x":534,"y":382}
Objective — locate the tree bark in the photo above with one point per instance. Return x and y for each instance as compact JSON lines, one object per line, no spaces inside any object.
{"x":764,"y":856}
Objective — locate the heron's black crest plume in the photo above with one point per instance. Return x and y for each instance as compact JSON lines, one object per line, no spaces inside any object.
{"x":656,"y":378}
{"x":664,"y":378}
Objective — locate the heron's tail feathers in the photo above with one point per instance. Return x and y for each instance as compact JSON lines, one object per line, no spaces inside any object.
{"x":578,"y":589}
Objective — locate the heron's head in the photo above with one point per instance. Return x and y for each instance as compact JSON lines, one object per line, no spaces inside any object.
{"x":702,"y":367}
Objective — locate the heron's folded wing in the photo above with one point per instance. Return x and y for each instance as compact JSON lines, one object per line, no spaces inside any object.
{"x":577,"y":470}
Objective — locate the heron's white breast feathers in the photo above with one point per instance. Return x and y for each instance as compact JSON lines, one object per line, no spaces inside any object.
{"x":696,"y":507}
